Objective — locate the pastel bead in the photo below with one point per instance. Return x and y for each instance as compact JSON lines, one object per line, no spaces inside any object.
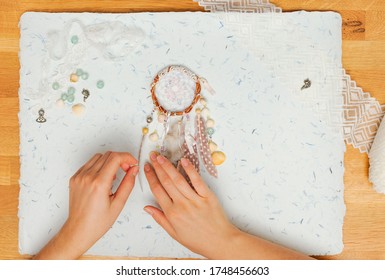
{"x":198,"y":111}
{"x":78,"y":109}
{"x":71,"y":90}
{"x":203,"y":101}
{"x":74,"y":78}
{"x":205,"y":112}
{"x":213,"y":147}
{"x":210,"y":123}
{"x":74,"y":39}
{"x":100,"y":84}
{"x":55,"y":85}
{"x":64,"y":96}
{"x":85,"y":76}
{"x":218,"y":157}
{"x":161,"y":118}
{"x":79,"y":72}
{"x":210,"y":131}
{"x":70,"y":98}
{"x":154,"y":136}
{"x":145,"y":130}
{"x":59,"y":103}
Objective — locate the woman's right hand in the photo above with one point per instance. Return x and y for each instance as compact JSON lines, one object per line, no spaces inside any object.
{"x":194,"y":218}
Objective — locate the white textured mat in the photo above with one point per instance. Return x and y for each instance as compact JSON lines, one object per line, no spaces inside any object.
{"x":283,"y":178}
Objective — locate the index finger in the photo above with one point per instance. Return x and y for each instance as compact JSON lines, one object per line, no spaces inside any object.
{"x":177,"y":178}
{"x":115,"y":161}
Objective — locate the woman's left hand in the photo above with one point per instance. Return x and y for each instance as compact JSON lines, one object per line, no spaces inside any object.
{"x":93,"y":208}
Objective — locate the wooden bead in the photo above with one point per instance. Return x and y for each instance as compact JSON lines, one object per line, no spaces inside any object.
{"x":74,"y":78}
{"x":210,"y":123}
{"x":59,"y":103}
{"x":213,"y":147}
{"x":78,"y":109}
{"x":218,"y":157}
{"x":144,"y":130}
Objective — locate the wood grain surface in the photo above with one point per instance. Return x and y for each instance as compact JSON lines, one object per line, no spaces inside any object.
{"x":363,"y":58}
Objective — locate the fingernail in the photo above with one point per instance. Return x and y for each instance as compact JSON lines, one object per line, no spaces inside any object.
{"x":160,"y":159}
{"x":147,"y":167}
{"x":184,"y":162}
{"x":135,"y":172}
{"x":148,"y":211}
{"x":153,"y":156}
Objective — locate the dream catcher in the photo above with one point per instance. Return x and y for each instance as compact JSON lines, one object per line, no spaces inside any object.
{"x":180,"y":125}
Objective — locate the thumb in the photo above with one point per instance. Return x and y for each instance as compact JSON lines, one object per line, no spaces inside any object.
{"x":161,"y":219}
{"x":125,"y":188}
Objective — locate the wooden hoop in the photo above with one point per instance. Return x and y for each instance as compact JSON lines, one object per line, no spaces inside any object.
{"x":196,"y":95}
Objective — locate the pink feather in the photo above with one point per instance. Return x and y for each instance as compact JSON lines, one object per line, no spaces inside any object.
{"x":204,"y":148}
{"x":192,"y":157}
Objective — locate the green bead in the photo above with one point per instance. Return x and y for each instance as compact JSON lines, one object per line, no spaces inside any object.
{"x":55,"y":85}
{"x":70,"y":98}
{"x":79,"y":72}
{"x":64,"y":96}
{"x":100,"y":84}
{"x":74,"y":39}
{"x":71,"y":90}
{"x":210,"y":131}
{"x":85,"y":76}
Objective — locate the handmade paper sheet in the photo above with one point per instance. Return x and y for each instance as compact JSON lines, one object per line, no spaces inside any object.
{"x":283,"y":177}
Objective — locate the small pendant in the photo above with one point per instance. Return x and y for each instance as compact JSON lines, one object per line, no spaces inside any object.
{"x":41,"y":118}
{"x":307,"y":84}
{"x":86,"y":94}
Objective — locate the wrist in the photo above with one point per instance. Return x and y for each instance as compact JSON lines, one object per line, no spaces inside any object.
{"x":226,"y":245}
{"x":62,"y":247}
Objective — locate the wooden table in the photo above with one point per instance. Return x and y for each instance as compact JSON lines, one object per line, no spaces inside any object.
{"x":363,"y":58}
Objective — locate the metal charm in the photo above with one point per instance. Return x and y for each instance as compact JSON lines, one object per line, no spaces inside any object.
{"x":86,"y":94}
{"x":41,"y":118}
{"x":307,"y":84}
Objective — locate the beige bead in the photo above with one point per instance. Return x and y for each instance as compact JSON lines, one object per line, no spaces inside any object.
{"x":213,"y":147}
{"x":161,"y":118}
{"x":203,"y":101}
{"x":59,"y":103}
{"x":205,"y":112}
{"x":78,"y":109}
{"x":210,"y":123}
{"x":74,"y":78}
{"x":198,"y":111}
{"x":154,"y":136}
{"x":218,"y":157}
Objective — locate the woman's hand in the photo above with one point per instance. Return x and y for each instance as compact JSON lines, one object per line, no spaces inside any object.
{"x":93,"y":208}
{"x":195,"y":218}
{"x":192,"y":217}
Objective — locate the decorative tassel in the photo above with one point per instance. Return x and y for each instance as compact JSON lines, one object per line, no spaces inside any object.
{"x":166,"y":127}
{"x":203,"y":144}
